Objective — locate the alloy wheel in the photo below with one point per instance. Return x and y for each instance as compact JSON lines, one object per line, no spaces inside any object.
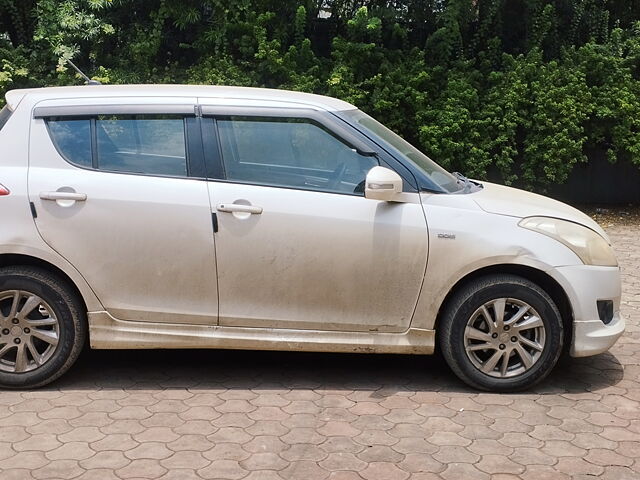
{"x":504,"y":338}
{"x":29,"y":331}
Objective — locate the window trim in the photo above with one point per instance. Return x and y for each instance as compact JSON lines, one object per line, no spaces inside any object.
{"x":192,"y":143}
{"x":94,"y":142}
{"x":95,"y":110}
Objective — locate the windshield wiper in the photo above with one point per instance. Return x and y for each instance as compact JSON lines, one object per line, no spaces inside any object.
{"x":468,"y":185}
{"x":466,"y":182}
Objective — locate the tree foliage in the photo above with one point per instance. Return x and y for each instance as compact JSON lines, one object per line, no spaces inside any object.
{"x":515,"y":90}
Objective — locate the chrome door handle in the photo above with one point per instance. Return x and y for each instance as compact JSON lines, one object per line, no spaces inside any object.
{"x":236,"y":207}
{"x":55,"y":196}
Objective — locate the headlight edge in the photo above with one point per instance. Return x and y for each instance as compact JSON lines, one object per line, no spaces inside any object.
{"x":597,"y":251}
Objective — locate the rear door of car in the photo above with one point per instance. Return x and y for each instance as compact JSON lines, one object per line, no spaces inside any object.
{"x":118,"y":189}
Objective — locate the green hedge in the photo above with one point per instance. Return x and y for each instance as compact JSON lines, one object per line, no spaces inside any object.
{"x":517,"y":90}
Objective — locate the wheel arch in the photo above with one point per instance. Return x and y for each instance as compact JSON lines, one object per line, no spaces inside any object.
{"x":82,"y":290}
{"x":540,"y":278}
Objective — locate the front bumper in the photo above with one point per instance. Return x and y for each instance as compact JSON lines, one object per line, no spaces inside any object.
{"x":592,"y":337}
{"x":585,"y":285}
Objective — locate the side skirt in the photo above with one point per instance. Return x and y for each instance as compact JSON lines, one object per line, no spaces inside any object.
{"x":107,"y":332}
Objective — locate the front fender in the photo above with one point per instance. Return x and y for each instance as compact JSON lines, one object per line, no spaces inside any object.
{"x":464,"y":239}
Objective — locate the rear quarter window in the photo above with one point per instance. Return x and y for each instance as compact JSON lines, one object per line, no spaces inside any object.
{"x":72,"y":138}
{"x":5,"y":113}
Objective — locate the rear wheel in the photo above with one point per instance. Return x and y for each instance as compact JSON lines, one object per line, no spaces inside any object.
{"x":42,"y":327}
{"x":501,"y":333}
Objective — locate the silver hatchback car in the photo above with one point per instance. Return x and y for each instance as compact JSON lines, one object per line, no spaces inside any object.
{"x":221,"y":217}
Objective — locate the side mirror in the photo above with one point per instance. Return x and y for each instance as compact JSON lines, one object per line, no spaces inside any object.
{"x":382,"y":184}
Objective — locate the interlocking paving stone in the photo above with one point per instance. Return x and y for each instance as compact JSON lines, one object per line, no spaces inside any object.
{"x":65,"y":469}
{"x":268,"y":415}
{"x":223,"y":469}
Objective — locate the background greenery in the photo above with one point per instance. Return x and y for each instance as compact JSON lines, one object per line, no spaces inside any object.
{"x":515,"y":90}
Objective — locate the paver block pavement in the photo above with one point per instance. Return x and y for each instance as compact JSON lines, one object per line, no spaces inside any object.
{"x":269,"y":415}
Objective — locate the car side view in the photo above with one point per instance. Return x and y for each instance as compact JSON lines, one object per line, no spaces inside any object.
{"x":149,"y":216}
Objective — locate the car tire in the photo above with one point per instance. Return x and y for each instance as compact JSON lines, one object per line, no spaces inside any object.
{"x":43,"y":327}
{"x":501,"y":333}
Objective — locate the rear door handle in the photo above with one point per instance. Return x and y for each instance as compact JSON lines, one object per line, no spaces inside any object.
{"x":55,"y":196}
{"x":236,"y":207}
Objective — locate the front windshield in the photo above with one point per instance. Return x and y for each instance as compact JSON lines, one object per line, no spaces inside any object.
{"x":377,"y":131}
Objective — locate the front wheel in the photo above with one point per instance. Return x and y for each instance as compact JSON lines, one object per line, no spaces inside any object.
{"x":501,"y":333}
{"x":42,"y":327}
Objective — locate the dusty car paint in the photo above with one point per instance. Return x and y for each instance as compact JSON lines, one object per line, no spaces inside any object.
{"x":152,"y":273}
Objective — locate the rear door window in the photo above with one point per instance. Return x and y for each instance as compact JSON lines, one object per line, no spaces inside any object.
{"x":139,"y":144}
{"x":144,"y":144}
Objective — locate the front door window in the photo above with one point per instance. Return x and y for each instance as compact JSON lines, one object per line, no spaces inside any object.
{"x":290,"y":152}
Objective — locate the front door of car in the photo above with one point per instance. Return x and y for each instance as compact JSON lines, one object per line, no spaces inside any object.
{"x":118,"y":195}
{"x":298,"y":246}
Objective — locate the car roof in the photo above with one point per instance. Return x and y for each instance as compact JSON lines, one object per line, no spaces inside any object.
{"x":286,"y":97}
